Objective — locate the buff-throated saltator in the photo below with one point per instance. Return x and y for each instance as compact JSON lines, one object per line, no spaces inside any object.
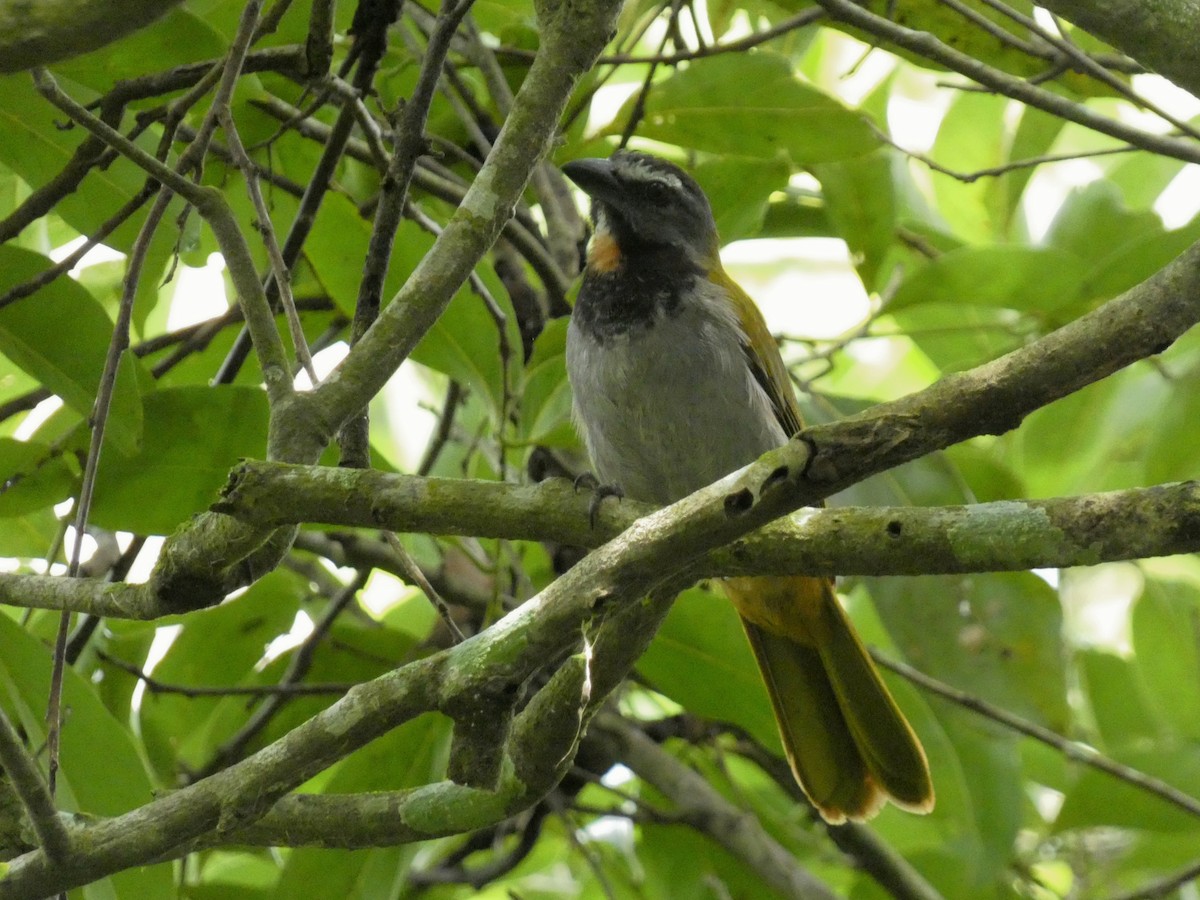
{"x":677,"y":382}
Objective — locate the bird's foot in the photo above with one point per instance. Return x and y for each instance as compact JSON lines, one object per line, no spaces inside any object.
{"x":599,"y":493}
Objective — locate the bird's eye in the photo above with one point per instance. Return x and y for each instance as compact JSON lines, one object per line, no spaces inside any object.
{"x":658,"y":193}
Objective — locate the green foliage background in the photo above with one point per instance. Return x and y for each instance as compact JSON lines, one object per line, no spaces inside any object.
{"x":956,"y":276}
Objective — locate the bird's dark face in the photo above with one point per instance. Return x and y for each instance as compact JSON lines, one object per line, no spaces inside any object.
{"x":641,"y":203}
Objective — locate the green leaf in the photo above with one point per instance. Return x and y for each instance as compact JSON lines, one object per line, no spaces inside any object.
{"x":982,"y":465}
{"x":683,"y":862}
{"x":1166,"y":641}
{"x":971,"y":138}
{"x":464,"y":343}
{"x":962,"y":335}
{"x":1098,"y":799}
{"x":997,"y":636}
{"x":1118,"y":697}
{"x":101,"y":772}
{"x":126,"y":416}
{"x":216,"y":647}
{"x":235,"y":875}
{"x":1142,"y":177}
{"x":1171,"y":455}
{"x":123,"y":639}
{"x":1009,"y":276}
{"x":739,"y":189}
{"x":30,"y":535}
{"x":1134,"y":261}
{"x":955,"y":25}
{"x":179,"y":37}
{"x":409,"y":756}
{"x":1094,"y":439}
{"x":1035,"y":134}
{"x":353,"y":653}
{"x":194,"y":436}
{"x":34,"y":476}
{"x":69,"y":357}
{"x":1093,"y":219}
{"x":1124,"y":247}
{"x":700,"y":659}
{"x":752,"y":105}
{"x":991,"y":763}
{"x":860,"y":199}
{"x":37,"y":149}
{"x":546,"y":398}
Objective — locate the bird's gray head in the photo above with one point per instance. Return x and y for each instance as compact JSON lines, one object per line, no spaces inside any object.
{"x":642,"y":203}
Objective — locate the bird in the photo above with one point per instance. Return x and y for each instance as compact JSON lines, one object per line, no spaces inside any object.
{"x":676,"y":382}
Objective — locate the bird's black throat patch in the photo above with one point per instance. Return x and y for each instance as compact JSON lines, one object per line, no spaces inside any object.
{"x":649,"y":281}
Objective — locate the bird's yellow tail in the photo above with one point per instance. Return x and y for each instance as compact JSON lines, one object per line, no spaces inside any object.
{"x":850,"y":747}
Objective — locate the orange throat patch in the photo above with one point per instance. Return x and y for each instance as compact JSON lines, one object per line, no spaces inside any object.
{"x":603,"y":254}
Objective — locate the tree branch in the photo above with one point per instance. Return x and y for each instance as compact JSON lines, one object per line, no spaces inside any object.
{"x":26,"y":780}
{"x":1159,"y":34}
{"x":697,"y":803}
{"x":1008,"y":535}
{"x":926,"y":45}
{"x":212,"y":206}
{"x":1072,"y":750}
{"x":410,"y":142}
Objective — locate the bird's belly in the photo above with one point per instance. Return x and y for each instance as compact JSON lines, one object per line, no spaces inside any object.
{"x":662,"y":422}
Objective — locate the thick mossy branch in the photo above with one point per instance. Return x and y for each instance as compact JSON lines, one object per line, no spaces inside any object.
{"x":233,"y":798}
{"x":1008,"y":535}
{"x":215,"y":810}
{"x":986,"y":537}
{"x":481,"y":727}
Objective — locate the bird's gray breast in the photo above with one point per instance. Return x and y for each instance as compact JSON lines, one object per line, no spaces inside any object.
{"x":670,"y":406}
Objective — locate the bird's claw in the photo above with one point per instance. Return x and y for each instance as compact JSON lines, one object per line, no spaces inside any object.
{"x":600,"y":492}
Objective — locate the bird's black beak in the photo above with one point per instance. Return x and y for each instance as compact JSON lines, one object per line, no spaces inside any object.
{"x":596,"y":179}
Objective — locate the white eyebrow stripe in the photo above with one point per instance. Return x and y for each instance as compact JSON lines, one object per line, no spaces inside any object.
{"x":643,"y":170}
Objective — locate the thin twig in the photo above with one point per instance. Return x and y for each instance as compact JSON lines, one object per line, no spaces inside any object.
{"x":441,"y":434}
{"x":368,"y":54}
{"x":414,"y":574}
{"x":427,"y":177}
{"x":108,"y":380}
{"x":1077,"y":58}
{"x":1158,"y":889}
{"x":117,"y":346}
{"x":1072,"y":750}
{"x":279,"y":268}
{"x":639,"y":104}
{"x":928,"y":46}
{"x":800,"y":20}
{"x":260,"y":321}
{"x":503,"y":346}
{"x":997,"y":171}
{"x":90,"y":154}
{"x":354,"y":438}
{"x":258,"y":690}
{"x":159,"y":170}
{"x":39,"y":281}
